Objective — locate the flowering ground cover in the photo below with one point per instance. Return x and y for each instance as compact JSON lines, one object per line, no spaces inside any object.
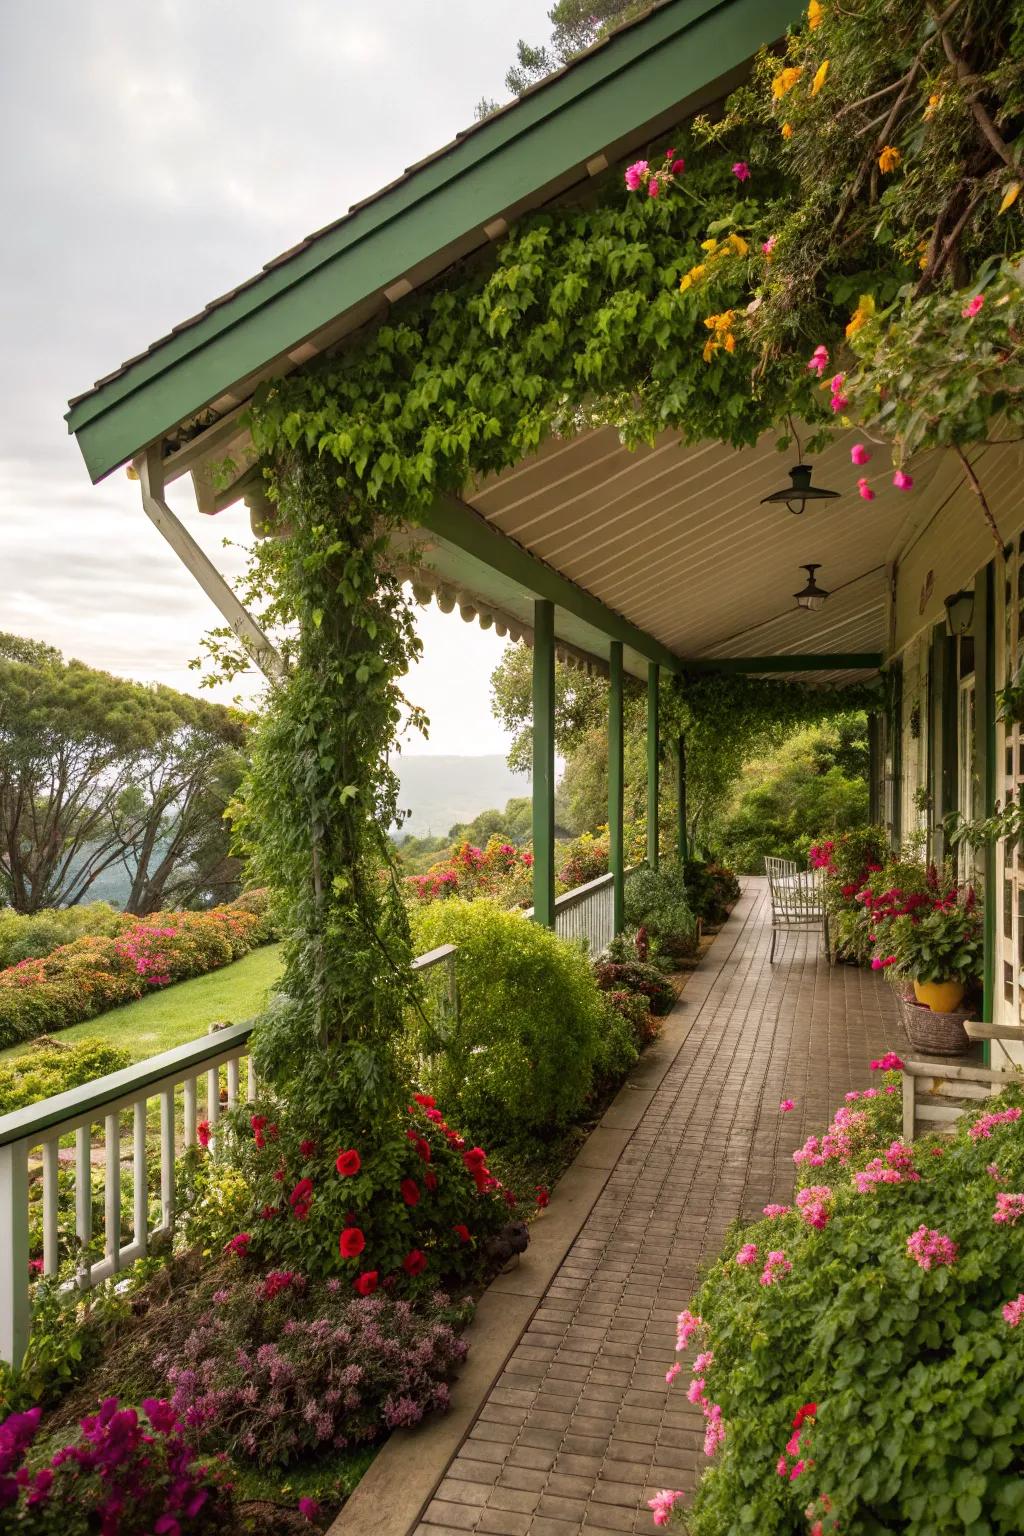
{"x":859,"y":1352}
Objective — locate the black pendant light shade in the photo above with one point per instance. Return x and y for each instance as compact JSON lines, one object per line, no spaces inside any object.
{"x":811,"y":597}
{"x":797,"y":495}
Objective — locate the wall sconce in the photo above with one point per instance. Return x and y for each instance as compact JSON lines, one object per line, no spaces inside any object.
{"x":959,"y":613}
{"x":812,"y":597}
{"x":797,"y":495}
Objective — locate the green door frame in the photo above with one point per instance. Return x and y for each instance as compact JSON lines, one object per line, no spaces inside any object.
{"x":544,"y":762}
{"x":652,"y":764}
{"x":616,"y":784}
{"x":985,"y":765}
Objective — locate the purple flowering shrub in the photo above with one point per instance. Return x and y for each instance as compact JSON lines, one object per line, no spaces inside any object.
{"x":282,"y":1366}
{"x":129,"y":1471}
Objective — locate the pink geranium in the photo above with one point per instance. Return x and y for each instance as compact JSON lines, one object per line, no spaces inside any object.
{"x":972,"y":306}
{"x":819,"y":361}
{"x":859,"y":454}
{"x":902,"y":481}
{"x":931,"y":1249}
{"x":662,"y":1503}
{"x":890,"y":1062}
{"x":741,"y":170}
{"x":1013,"y":1312}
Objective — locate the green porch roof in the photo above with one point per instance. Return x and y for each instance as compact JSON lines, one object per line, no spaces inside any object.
{"x":677,"y":58}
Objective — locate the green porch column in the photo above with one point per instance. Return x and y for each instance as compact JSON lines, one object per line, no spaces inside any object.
{"x":874,"y":768}
{"x":985,"y":764}
{"x":616,"y":782}
{"x":942,"y":733}
{"x":683,"y":841}
{"x":652,"y":764}
{"x":544,"y":762}
{"x":896,"y":738}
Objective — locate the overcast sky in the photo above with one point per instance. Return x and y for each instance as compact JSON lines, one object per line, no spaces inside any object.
{"x":155,"y":153}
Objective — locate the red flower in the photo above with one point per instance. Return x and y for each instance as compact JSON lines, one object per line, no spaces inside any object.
{"x":543,"y":1197}
{"x":268,"y":1211}
{"x":203,"y":1133}
{"x":307,"y":1148}
{"x":509,"y":1198}
{"x":35,"y":1266}
{"x":425,"y":1100}
{"x":476,"y":1157}
{"x":462,"y":1232}
{"x":301,"y":1198}
{"x":366,"y":1283}
{"x":808,"y":1411}
{"x":239,"y":1244}
{"x":351,"y":1243}
{"x":423,"y":1148}
{"x":430,"y":1180}
{"x":278,"y":1175}
{"x":258,"y":1122}
{"x":278,"y":1280}
{"x":415,"y":1262}
{"x":348,"y":1163}
{"x":410,"y":1192}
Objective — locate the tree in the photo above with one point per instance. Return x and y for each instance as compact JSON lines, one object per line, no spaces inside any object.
{"x":96,"y":770}
{"x":577,"y":25}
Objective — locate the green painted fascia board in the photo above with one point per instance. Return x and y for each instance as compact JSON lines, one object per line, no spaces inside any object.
{"x":460,"y":525}
{"x":840,"y":661}
{"x":183,"y":1061}
{"x":640,"y":74}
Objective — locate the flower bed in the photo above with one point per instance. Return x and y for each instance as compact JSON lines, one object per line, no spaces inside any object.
{"x":861,"y":1361}
{"x":79,"y":980}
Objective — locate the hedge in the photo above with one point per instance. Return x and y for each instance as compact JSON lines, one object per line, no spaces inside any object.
{"x":79,"y":980}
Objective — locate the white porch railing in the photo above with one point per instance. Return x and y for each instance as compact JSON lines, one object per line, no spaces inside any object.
{"x":588,"y":912}
{"x":30,"y":1139}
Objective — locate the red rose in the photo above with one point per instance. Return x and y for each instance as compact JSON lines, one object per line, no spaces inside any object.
{"x":423,"y":1148}
{"x":348,"y":1163}
{"x":430,"y":1180}
{"x":415,"y":1262}
{"x":476,"y":1157}
{"x":425,"y":1100}
{"x":366,"y":1283}
{"x":543,"y":1197}
{"x":808,"y":1411}
{"x":301,"y":1198}
{"x":203,"y":1133}
{"x":410,"y":1192}
{"x":307,"y":1148}
{"x":351,"y":1243}
{"x":462,"y":1232}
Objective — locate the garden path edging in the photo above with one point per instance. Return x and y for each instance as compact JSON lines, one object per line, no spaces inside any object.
{"x":399,"y":1483}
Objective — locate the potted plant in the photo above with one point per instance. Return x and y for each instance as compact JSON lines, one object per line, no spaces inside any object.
{"x":939,"y":949}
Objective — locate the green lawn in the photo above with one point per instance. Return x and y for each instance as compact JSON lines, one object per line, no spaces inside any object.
{"x":185,"y":1011}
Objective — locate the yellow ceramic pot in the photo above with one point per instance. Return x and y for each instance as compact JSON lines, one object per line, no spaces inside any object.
{"x":940,"y":996}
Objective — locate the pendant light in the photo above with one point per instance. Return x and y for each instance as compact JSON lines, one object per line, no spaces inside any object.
{"x":800,"y":492}
{"x":811,"y":597}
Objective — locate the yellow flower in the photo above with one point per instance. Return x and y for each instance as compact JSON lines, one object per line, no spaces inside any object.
{"x":930,"y":109}
{"x":1010,"y":195}
{"x":785,"y":80}
{"x":787,"y":130}
{"x":922,"y":260}
{"x":815,"y":15}
{"x":709,"y":245}
{"x":820,"y":76}
{"x":739,"y":245}
{"x":693,"y":276}
{"x":861,"y":315}
{"x":889,"y":159}
{"x":720,"y":327}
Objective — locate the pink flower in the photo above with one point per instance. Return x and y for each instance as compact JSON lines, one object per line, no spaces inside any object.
{"x":635,"y":175}
{"x":203,"y":1133}
{"x":930,"y":1248}
{"x":672,"y":1373}
{"x":890,"y":1062}
{"x":677,"y":167}
{"x":819,"y":361}
{"x":786,"y":1106}
{"x":1008,"y":1209}
{"x":238,"y":1244}
{"x":775,"y":1264}
{"x":308,"y":1509}
{"x":972,"y":306}
{"x":714,"y":1432}
{"x":859,"y":454}
{"x":741,"y":170}
{"x":903,"y":482}
{"x":653,"y":187}
{"x":879,"y":962}
{"x":703,"y":1361}
{"x":981,"y":1130}
{"x":695,"y":1391}
{"x":864,"y":490}
{"x":662,"y":1503}
{"x":747,"y":1255}
{"x":993,"y":1171}
{"x":768,"y":245}
{"x":687,"y":1324}
{"x":776,"y":1210}
{"x":1013,"y":1312}
{"x":851,"y":1097}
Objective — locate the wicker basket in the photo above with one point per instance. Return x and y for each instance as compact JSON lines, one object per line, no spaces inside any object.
{"x":941,"y":1033}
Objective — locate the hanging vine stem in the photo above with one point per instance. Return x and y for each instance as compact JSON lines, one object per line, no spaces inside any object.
{"x":977,"y":488}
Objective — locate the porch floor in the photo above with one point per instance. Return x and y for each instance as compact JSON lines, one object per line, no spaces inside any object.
{"x":580,"y":1428}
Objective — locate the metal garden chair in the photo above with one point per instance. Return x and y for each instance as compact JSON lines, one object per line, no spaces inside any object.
{"x":797,"y":901}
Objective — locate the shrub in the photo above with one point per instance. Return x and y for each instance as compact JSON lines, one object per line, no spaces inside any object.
{"x":644,"y":980}
{"x":519,"y":1059}
{"x":500,"y":870}
{"x":618,"y":1049}
{"x":30,"y":935}
{"x":710,"y":889}
{"x":79,"y":980}
{"x":50,"y":1066}
{"x":634,"y":1008}
{"x":259,"y":903}
{"x":401,"y":1202}
{"x":655,"y":900}
{"x":280,"y":1367}
{"x":863,"y":1359}
{"x":129,"y":1470}
{"x":584,"y":860}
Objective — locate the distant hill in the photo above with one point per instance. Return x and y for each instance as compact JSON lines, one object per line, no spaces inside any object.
{"x":439,"y":791}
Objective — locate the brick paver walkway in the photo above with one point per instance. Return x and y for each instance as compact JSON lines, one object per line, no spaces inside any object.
{"x":580,"y":1428}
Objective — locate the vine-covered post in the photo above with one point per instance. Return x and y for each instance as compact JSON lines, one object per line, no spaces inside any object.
{"x":544,"y":762}
{"x":874,"y":768}
{"x":683,"y":841}
{"x":616,"y":777}
{"x":985,"y":766}
{"x":652,"y":764}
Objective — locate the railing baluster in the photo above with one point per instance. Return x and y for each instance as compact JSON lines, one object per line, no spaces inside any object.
{"x":15,"y":1312}
{"x":112,"y":1192}
{"x":50,"y":1258}
{"x":83,"y":1201}
{"x":140,"y":1186}
{"x":213,"y":1105}
{"x":167,"y":1158}
{"x":250,"y":1079}
{"x":232,"y":1082}
{"x":189,"y":1124}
